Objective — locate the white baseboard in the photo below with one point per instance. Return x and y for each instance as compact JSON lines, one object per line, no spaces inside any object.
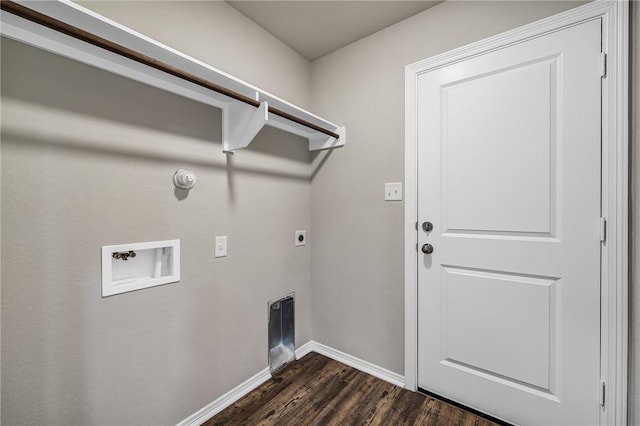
{"x":357,"y":363}
{"x":244,"y":388}
{"x":305,"y":349}
{"x":226,"y":400}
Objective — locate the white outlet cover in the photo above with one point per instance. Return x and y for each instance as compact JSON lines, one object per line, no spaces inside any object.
{"x":221,"y":246}
{"x":393,"y":191}
{"x":302,"y":234}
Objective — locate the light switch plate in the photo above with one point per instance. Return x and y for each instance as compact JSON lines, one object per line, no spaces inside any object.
{"x":221,"y":246}
{"x":393,"y":191}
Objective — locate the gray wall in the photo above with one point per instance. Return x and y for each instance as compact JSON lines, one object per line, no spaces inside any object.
{"x":634,"y":284}
{"x":87,"y":161}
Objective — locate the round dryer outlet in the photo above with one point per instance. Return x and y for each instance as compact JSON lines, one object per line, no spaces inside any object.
{"x":301,"y":238}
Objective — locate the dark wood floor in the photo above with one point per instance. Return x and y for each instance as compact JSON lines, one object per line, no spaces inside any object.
{"x":316,"y":390}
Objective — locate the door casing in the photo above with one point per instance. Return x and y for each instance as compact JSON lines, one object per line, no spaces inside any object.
{"x":615,"y":189}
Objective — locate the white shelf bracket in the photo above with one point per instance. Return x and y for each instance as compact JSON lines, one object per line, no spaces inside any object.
{"x":241,"y":124}
{"x":319,"y":141}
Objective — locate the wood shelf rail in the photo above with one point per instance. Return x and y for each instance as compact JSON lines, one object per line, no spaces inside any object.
{"x":95,"y":40}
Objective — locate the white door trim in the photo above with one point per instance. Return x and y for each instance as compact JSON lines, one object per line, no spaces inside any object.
{"x":615,"y":189}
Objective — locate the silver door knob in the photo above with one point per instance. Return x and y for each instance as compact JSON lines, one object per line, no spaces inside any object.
{"x":427,"y":248}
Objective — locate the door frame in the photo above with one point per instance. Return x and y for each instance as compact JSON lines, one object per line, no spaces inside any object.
{"x":615,"y":189}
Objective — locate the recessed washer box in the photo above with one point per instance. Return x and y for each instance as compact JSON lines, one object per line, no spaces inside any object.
{"x":128,"y":267}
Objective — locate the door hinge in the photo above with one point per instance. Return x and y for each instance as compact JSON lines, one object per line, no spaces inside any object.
{"x":602,"y":392}
{"x":603,"y":229}
{"x":603,"y":64}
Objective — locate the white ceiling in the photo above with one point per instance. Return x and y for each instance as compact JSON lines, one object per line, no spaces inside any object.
{"x":314,"y":28}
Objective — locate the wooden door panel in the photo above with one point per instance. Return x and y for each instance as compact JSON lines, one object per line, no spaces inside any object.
{"x":500,"y":324}
{"x":513,"y":112}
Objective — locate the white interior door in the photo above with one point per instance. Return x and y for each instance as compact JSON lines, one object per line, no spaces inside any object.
{"x":509,"y":159}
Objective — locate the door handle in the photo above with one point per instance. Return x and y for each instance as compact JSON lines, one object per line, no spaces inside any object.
{"x":427,"y":248}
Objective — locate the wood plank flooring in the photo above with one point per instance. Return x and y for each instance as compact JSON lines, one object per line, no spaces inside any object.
{"x":316,"y":390}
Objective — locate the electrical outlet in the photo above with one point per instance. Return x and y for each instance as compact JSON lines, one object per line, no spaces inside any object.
{"x":301,"y":238}
{"x":221,"y":246}
{"x":393,"y":191}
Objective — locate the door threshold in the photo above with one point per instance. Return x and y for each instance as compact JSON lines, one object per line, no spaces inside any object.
{"x":464,"y":407}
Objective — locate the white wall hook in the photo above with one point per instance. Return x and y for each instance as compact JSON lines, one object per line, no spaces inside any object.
{"x":184,"y":179}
